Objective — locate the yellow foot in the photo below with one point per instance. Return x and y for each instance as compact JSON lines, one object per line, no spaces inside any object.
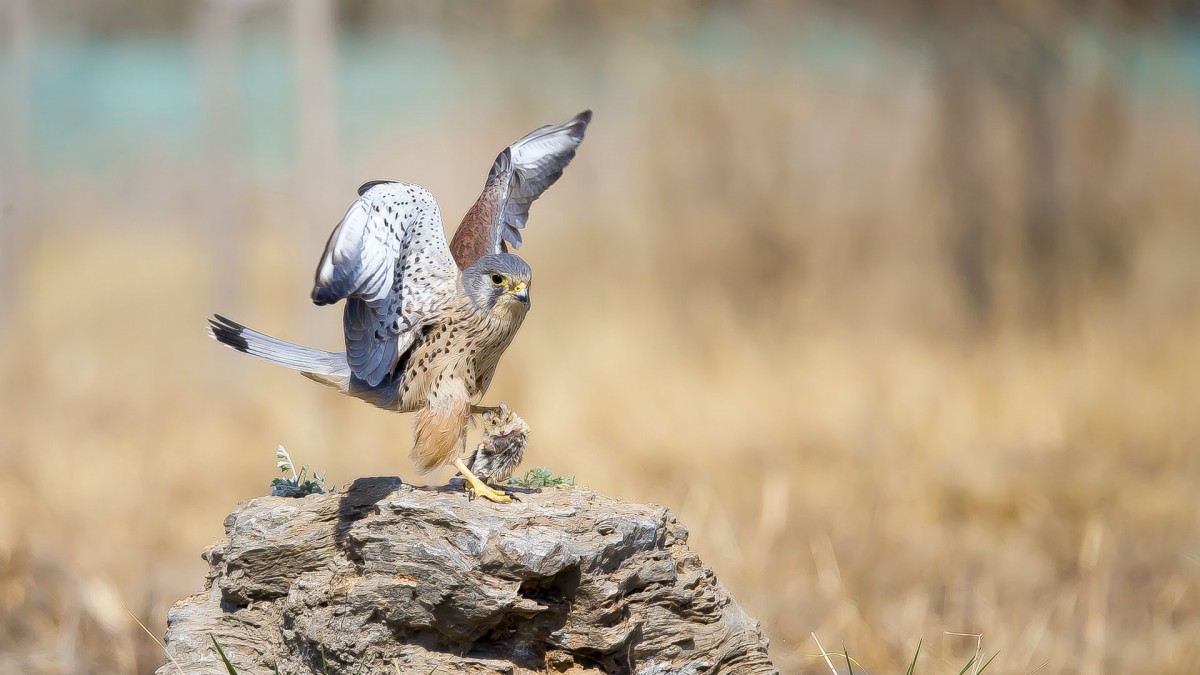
{"x":478,"y":488}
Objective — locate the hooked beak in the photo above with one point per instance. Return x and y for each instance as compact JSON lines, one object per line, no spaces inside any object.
{"x":521,"y":292}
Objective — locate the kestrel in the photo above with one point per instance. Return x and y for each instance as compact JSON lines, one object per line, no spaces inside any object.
{"x":425,"y":323}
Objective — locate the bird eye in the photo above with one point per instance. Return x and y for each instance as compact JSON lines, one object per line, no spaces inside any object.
{"x":497,"y":279}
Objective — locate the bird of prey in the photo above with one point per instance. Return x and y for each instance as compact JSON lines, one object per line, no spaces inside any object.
{"x":425,"y":323}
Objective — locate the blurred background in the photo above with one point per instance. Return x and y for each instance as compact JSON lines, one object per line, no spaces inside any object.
{"x":896,"y":304}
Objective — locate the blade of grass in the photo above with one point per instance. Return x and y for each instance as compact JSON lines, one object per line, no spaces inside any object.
{"x":824,"y":653}
{"x":228,"y":666}
{"x":153,"y":637}
{"x":988,"y":662}
{"x":847,"y":655}
{"x":978,"y":650}
{"x":913,"y":664}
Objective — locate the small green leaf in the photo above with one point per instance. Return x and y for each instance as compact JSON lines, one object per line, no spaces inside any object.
{"x":913,"y":663}
{"x":304,"y":482}
{"x":228,"y":666}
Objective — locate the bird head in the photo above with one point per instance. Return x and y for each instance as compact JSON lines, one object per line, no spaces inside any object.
{"x":499,"y":283}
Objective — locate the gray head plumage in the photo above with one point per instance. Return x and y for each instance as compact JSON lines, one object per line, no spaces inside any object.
{"x":498,"y":276}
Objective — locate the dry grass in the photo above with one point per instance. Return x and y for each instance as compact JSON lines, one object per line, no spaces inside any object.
{"x":745,"y":310}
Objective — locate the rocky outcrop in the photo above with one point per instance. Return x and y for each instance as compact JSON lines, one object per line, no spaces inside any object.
{"x":390,"y":578}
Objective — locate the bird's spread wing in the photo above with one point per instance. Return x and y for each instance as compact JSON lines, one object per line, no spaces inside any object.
{"x":521,"y":173}
{"x":389,"y":260}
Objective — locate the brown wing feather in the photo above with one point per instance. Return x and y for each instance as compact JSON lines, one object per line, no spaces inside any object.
{"x":520,"y":174}
{"x":477,"y":235}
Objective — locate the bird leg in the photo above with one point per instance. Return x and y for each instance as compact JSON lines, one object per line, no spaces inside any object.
{"x":478,"y":488}
{"x":499,"y":452}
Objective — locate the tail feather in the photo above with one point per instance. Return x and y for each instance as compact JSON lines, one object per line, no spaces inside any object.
{"x":326,"y":367}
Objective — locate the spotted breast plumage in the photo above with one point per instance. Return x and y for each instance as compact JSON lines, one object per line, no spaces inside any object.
{"x":426,"y":322}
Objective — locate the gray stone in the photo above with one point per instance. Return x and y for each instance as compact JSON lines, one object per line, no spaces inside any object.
{"x":392,"y":578}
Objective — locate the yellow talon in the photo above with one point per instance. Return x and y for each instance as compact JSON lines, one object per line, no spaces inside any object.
{"x":478,"y":488}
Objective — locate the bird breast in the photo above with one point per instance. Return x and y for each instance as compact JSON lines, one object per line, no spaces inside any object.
{"x":466,"y":347}
{"x":495,"y":331}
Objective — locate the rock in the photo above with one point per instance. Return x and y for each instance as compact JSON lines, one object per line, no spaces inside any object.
{"x":392,"y":578}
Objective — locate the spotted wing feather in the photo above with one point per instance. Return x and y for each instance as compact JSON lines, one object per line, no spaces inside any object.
{"x":389,"y":260}
{"x":520,"y":174}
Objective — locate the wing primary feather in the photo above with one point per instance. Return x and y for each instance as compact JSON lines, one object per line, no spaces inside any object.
{"x":520,"y":174}
{"x":502,"y":167}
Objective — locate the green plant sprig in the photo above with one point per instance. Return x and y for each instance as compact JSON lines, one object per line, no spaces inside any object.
{"x":300,"y":484}
{"x":540,"y":476}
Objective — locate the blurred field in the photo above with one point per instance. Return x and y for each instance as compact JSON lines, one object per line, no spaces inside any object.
{"x":898,"y":310}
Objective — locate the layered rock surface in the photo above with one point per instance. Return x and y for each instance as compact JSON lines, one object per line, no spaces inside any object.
{"x":392,"y":578}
